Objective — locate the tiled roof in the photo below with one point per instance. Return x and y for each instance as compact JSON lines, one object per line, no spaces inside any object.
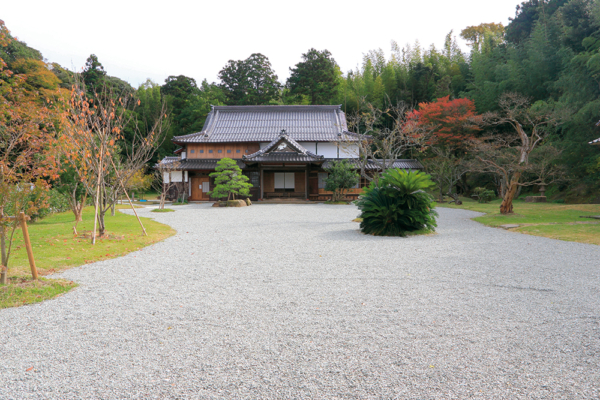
{"x":597,"y":141}
{"x":168,"y":160}
{"x":292,"y":151}
{"x":284,"y":157}
{"x":263,"y":124}
{"x":372,"y":166}
{"x":191,"y":163}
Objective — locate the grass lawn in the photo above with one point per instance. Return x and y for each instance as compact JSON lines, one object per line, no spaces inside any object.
{"x":556,"y":221}
{"x":163,"y":210}
{"x":55,"y":248}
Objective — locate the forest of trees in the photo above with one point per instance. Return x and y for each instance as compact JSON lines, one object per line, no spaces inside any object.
{"x":547,"y":58}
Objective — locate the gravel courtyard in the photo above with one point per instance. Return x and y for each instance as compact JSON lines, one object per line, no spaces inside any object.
{"x":291,"y":301}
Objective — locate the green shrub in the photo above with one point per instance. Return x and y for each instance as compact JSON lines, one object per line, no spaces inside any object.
{"x":55,"y":203}
{"x":397,"y":204}
{"x":342,"y":176}
{"x":484,"y":195}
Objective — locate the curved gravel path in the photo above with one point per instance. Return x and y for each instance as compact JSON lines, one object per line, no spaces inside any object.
{"x":291,"y":301}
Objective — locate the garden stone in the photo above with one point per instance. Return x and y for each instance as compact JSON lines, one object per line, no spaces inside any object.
{"x":236,"y":203}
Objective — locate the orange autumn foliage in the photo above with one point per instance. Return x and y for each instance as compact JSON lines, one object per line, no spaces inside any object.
{"x":454,"y":121}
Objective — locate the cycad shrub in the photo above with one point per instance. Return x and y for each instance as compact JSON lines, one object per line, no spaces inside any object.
{"x":397,"y":204}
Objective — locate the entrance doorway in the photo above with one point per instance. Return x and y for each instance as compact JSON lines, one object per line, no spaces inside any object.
{"x":200,"y":188}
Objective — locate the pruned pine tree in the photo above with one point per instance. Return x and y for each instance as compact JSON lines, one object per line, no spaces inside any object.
{"x":229,"y":180}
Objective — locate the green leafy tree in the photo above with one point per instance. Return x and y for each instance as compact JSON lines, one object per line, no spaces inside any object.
{"x":315,"y":76}
{"x":250,"y":82}
{"x":476,"y":35}
{"x":229,"y":180}
{"x":93,"y":73}
{"x":397,"y":204}
{"x":341,"y":178}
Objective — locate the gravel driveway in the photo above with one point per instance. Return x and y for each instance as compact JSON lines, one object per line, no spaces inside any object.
{"x":291,"y":301}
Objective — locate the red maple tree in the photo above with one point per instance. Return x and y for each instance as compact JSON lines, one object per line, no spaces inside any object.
{"x":454,"y":121}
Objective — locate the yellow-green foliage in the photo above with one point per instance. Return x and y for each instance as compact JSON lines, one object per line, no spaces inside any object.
{"x":140,"y":182}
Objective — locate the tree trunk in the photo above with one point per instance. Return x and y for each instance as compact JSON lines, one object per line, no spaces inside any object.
{"x":507,"y":201}
{"x":79,"y":214}
{"x":101,"y":224}
{"x":3,"y":266}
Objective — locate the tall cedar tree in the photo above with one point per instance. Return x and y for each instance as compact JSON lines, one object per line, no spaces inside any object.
{"x":314,"y":77}
{"x":250,"y":82}
{"x":93,"y":74}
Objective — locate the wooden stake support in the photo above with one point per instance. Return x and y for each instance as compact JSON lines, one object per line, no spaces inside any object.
{"x":22,"y":218}
{"x":128,"y":199}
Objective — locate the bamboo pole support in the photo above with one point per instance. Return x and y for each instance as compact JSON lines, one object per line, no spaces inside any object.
{"x":128,"y":199}
{"x":23,"y":220}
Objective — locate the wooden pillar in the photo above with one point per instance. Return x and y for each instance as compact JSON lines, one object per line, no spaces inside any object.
{"x":262,"y":183}
{"x":306,"y":181}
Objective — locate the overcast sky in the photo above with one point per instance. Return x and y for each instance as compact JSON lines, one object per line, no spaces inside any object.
{"x":135,"y":40}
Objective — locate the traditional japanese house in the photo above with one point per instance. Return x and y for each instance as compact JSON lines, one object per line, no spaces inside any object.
{"x":284,"y":150}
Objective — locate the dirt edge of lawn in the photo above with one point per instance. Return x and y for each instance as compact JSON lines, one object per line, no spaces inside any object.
{"x":56,"y":249}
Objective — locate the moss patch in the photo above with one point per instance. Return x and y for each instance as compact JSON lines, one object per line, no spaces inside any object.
{"x":164,"y":210}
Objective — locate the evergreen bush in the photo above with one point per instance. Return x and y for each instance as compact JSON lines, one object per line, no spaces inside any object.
{"x":484,"y":195}
{"x":342,"y":177}
{"x":397,"y":204}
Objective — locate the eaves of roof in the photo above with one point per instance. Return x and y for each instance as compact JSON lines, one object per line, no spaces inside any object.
{"x":268,"y":151}
{"x":371,"y":165}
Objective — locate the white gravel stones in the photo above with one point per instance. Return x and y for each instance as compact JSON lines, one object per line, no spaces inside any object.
{"x":291,"y":301}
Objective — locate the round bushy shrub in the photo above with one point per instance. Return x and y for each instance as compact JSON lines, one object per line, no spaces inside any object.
{"x":484,"y":195}
{"x":397,"y":204}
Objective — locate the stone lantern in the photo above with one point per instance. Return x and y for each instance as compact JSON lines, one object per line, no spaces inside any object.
{"x":538,"y":199}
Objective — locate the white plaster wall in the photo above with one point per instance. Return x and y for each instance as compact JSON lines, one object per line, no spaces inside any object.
{"x":263,"y":144}
{"x":310,"y":146}
{"x":165,"y":177}
{"x":176,"y":176}
{"x":349,"y":150}
{"x":327,"y":149}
